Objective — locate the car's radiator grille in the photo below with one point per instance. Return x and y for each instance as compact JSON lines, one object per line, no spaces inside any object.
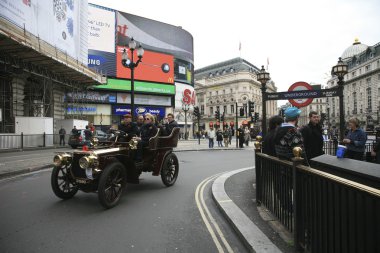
{"x":76,"y":170}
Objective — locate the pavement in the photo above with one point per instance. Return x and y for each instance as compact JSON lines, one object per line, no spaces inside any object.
{"x":258,"y":230}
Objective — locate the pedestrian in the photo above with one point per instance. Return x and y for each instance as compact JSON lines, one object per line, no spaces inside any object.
{"x":312,"y":136}
{"x":87,"y":136}
{"x":226,"y":136}
{"x":219,"y":137}
{"x":169,"y":125}
{"x":240,"y":132}
{"x":62,"y":133}
{"x":268,"y":140}
{"x":211,"y":136}
{"x":355,"y":140}
{"x":376,"y":151}
{"x":74,"y":131}
{"x":288,"y":136}
{"x":231,"y":134}
{"x":92,"y":128}
{"x":247,"y":136}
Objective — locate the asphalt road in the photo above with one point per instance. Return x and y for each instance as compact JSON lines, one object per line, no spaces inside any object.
{"x":149,"y":218}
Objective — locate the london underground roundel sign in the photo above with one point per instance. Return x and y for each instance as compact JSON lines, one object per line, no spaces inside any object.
{"x":302,"y":102}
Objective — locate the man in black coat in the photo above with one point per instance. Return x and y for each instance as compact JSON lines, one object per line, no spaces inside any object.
{"x":128,"y":127}
{"x":312,"y":136}
{"x":168,"y":127}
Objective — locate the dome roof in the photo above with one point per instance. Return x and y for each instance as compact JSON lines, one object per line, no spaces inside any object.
{"x":355,"y":49}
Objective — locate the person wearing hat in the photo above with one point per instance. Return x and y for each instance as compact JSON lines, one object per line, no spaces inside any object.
{"x":287,"y":136}
{"x":128,"y":127}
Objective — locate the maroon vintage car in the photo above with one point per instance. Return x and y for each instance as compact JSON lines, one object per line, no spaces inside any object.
{"x":107,"y":166}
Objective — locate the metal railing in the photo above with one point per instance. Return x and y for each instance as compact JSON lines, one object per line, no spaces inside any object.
{"x":330,"y":147}
{"x":23,"y":141}
{"x":325,"y":213}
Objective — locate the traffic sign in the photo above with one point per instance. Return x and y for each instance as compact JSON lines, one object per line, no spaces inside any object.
{"x":299,"y":86}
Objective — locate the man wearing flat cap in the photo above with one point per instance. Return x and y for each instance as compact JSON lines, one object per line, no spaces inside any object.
{"x":128,"y":127}
{"x":287,"y":136}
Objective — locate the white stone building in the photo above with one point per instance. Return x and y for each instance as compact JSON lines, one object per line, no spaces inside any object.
{"x":225,"y":85}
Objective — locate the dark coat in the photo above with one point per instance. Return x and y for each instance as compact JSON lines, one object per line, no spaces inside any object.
{"x":313,"y":140}
{"x":131,"y":129}
{"x":168,"y":128}
{"x":286,"y":138}
{"x":268,"y":143}
{"x":147,"y":131}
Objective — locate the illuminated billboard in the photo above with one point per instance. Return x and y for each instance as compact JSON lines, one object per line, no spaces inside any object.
{"x":156,"y":67}
{"x":162,"y":38}
{"x":101,"y":40}
{"x":60,"y":23}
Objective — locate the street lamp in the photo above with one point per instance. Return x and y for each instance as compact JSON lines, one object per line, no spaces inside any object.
{"x":185,"y":108}
{"x":340,"y":70}
{"x":128,"y":63}
{"x":263,"y":78}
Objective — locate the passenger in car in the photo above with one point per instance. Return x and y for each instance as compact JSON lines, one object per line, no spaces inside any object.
{"x":128,"y":127}
{"x":148,"y":130}
{"x":167,"y":128}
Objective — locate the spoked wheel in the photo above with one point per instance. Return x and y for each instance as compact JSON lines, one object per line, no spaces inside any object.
{"x":169,"y":171}
{"x":111,"y":184}
{"x":62,"y":183}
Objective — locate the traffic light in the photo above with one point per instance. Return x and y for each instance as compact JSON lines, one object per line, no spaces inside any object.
{"x":251,"y":107}
{"x":241,"y":111}
{"x":217,"y":115}
{"x":256,"y":116}
{"x":222,"y":118}
{"x":196,"y":112}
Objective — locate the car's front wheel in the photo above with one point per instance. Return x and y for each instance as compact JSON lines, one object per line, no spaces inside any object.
{"x":61,"y":182}
{"x":111,"y":184}
{"x":169,"y":170}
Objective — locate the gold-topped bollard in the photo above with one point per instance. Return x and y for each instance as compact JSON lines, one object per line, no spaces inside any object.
{"x":257,"y":143}
{"x":297,"y":152}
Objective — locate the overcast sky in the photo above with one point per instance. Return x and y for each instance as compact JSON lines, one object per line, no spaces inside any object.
{"x":301,"y":38}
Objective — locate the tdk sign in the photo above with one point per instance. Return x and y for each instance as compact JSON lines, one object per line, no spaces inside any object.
{"x":95,"y":60}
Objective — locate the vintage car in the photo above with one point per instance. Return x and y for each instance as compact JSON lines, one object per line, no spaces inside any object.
{"x":107,"y":166}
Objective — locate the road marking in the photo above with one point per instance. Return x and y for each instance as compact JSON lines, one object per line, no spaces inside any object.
{"x":207,"y":217}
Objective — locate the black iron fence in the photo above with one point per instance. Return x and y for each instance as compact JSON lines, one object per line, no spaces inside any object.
{"x":325,"y":213}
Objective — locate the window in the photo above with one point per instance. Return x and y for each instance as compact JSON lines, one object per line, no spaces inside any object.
{"x":211,"y":110}
{"x":225,"y":109}
{"x":202,"y":109}
{"x":367,"y":68}
{"x":210,"y":93}
{"x":368,"y":81}
{"x":355,"y":103}
{"x":217,"y":92}
{"x":369,"y":99}
{"x":232,"y":109}
{"x":217,"y":108}
{"x":353,"y":73}
{"x":232,"y":91}
{"x":224,"y":91}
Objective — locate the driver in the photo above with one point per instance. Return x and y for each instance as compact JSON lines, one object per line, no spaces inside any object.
{"x":129,"y":127}
{"x":147,"y":131}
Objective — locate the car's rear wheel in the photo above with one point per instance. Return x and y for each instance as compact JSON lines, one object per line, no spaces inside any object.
{"x":170,"y":169}
{"x":61,"y":182}
{"x":111,"y":184}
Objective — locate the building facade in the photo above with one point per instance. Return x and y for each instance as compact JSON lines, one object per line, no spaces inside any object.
{"x":228,"y":86}
{"x":361,"y":88}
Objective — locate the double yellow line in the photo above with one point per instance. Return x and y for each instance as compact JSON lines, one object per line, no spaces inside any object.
{"x":208,"y":219}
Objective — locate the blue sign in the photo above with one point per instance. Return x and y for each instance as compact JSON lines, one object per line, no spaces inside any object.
{"x":125,"y":109}
{"x":96,"y":60}
{"x":81,"y":109}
